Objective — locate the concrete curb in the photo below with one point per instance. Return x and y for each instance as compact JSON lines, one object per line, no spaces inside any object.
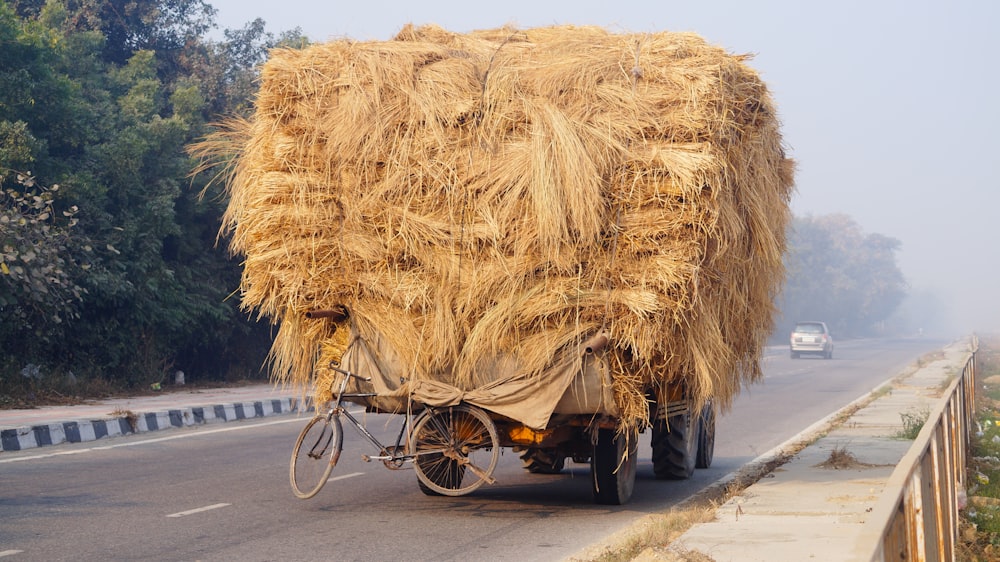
{"x":79,"y":431}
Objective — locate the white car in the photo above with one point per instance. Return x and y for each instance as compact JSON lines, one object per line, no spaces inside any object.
{"x":811,"y":337}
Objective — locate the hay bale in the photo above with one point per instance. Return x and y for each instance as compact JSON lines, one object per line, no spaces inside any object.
{"x":509,"y":193}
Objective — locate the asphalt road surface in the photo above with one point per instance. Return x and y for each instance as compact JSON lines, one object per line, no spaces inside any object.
{"x":222,"y":492}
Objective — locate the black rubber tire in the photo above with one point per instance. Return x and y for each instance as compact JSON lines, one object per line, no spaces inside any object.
{"x":794,"y":355}
{"x":675,"y":446}
{"x":449,"y":478}
{"x":706,"y":438}
{"x":542,"y":461}
{"x":460,"y":432}
{"x":613,"y":466}
{"x":316,"y":452}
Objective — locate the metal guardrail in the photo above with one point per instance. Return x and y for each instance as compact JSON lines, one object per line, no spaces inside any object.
{"x":917,"y":515}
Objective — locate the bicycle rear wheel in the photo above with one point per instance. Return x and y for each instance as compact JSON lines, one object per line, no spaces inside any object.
{"x":316,"y":453}
{"x":456,"y":450}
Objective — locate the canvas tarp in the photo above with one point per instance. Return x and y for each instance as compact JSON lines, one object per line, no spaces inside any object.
{"x":580,"y":383}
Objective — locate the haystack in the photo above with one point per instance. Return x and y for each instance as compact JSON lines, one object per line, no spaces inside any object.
{"x":498,"y":197}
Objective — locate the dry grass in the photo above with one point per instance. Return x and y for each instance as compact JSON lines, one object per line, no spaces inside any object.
{"x":842,"y":459}
{"x":509,"y":193}
{"x":913,"y":422}
{"x":657,"y":532}
{"x":128,"y":415}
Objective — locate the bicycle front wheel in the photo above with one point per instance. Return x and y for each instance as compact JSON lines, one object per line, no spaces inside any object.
{"x":456,"y":450}
{"x":316,"y":453}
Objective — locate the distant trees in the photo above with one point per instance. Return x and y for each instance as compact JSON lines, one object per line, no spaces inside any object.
{"x":108,"y":259}
{"x":838,"y":274}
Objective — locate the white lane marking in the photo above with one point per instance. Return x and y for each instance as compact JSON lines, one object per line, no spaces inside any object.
{"x":351,"y":475}
{"x":199,"y":510}
{"x":237,"y":427}
{"x":9,"y":552}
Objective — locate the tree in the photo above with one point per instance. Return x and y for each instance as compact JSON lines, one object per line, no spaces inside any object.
{"x":227,"y":71}
{"x":115,"y":274}
{"x":113,"y":270}
{"x":129,"y":26}
{"x":838,"y":274}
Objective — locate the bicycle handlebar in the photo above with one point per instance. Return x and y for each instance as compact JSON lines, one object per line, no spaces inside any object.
{"x":338,"y":313}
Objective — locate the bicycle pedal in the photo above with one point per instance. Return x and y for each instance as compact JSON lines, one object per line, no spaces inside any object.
{"x":366,"y":458}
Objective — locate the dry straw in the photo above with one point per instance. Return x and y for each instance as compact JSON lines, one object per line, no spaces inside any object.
{"x":513,"y":192}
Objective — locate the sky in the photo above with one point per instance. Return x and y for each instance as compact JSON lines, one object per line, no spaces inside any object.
{"x":890,"y":108}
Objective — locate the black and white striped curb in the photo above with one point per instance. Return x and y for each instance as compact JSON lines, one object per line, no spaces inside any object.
{"x":29,"y":437}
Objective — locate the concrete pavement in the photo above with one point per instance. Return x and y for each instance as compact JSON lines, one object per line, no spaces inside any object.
{"x":813,"y":507}
{"x":175,"y":407}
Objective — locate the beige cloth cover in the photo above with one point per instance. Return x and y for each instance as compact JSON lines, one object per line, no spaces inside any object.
{"x":578,"y":384}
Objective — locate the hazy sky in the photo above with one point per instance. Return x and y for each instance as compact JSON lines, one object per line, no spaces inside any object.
{"x":890,"y":108}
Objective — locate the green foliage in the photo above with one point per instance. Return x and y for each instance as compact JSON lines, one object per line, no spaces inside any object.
{"x":984,"y":480}
{"x":840,"y":275}
{"x":17,"y":144}
{"x":38,"y":290}
{"x":116,"y":276}
{"x":162,"y":26}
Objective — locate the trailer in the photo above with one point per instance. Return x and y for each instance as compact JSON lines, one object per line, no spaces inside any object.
{"x":568,"y":412}
{"x":578,"y":232}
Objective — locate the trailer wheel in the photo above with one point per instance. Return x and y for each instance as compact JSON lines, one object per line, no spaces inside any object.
{"x":675,"y":445}
{"x":542,"y":461}
{"x":455,"y":449}
{"x":612,"y":466}
{"x":706,"y":438}
{"x":449,"y":477}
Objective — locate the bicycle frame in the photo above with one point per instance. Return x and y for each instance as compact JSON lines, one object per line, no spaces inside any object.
{"x":444,"y":444}
{"x":385,"y":455}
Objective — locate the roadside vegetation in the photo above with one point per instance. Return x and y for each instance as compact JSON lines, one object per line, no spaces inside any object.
{"x":913,"y":422}
{"x":110,"y":276}
{"x":979,"y":532}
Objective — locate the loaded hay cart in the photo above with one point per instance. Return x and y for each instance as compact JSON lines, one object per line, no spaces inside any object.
{"x":576,"y":231}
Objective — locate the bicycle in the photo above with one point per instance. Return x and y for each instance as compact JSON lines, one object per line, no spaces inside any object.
{"x":454,"y":449}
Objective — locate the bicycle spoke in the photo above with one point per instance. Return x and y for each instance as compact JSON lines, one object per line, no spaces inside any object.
{"x":471,"y":434}
{"x":322,"y":442}
{"x":463,"y":439}
{"x":439,"y":433}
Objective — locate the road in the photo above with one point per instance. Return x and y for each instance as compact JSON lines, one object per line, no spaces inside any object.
{"x":222,"y":493}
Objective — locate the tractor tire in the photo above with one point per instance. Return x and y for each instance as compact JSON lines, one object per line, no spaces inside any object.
{"x":613,"y":466}
{"x":675,"y":445}
{"x":706,"y":438}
